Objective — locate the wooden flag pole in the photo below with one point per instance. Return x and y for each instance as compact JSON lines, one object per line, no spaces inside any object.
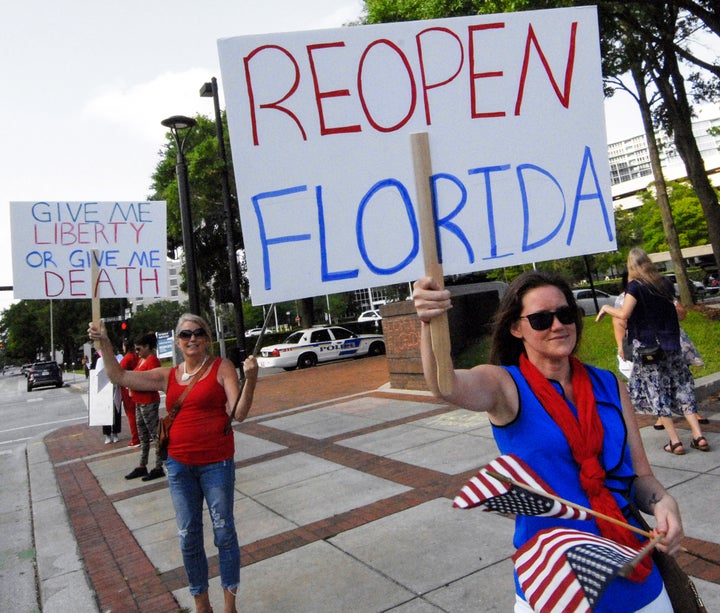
{"x":439,"y":327}
{"x":95,"y":300}
{"x":628,"y":569}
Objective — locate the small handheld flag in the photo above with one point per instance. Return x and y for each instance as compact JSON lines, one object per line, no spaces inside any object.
{"x":492,"y":494}
{"x":568,"y":570}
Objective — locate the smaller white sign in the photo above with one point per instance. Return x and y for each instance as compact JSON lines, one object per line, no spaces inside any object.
{"x":165,"y":344}
{"x":55,"y":246}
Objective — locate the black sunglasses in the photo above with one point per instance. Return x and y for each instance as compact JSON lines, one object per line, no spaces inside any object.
{"x":187,"y":334}
{"x":542,"y":320}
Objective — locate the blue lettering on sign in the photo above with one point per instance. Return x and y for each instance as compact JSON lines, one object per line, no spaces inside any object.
{"x":325,"y":274}
{"x":264,"y":240}
{"x":521,"y":169}
{"x":596,"y":195}
{"x":447,"y":215}
{"x":490,"y":207}
{"x":412,"y":220}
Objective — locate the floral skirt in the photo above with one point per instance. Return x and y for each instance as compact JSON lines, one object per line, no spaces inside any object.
{"x":663,"y":389}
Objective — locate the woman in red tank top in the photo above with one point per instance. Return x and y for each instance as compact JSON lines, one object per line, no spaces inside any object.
{"x":200,"y":464}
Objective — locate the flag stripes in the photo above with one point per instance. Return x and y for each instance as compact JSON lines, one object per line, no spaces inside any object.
{"x":568,"y":570}
{"x":484,"y":490}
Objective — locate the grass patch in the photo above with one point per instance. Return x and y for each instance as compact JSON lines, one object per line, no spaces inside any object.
{"x":598,"y":344}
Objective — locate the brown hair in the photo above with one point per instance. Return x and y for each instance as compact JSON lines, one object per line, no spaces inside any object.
{"x":505,"y":349}
{"x":147,"y":340}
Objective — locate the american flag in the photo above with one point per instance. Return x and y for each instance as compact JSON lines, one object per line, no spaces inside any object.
{"x":567,"y":570}
{"x":485,"y":491}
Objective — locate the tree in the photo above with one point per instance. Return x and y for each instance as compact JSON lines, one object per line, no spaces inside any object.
{"x":662,"y":32}
{"x":686,"y":211}
{"x":160,"y":316}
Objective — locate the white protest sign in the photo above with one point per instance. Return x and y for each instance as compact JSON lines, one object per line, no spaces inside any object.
{"x":101,"y":397}
{"x":320,"y":126}
{"x":53,"y":245}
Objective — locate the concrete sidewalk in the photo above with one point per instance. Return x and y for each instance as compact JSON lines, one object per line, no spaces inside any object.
{"x":342,"y":504}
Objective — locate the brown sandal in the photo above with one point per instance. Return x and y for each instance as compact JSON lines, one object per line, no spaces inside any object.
{"x":675,"y":448}
{"x":696,"y":444}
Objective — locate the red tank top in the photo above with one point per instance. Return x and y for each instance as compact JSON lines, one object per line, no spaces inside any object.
{"x":141,"y":397}
{"x":198,"y":434}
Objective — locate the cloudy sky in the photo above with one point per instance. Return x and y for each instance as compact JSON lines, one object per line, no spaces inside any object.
{"x":86,"y":83}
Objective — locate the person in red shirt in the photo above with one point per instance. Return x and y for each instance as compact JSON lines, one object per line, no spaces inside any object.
{"x":200,"y":463}
{"x":147,"y":404}
{"x":128,"y":362}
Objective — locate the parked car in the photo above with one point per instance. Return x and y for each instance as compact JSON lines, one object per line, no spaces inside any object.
{"x":584,"y":299}
{"x":306,"y":348}
{"x":42,"y":374}
{"x":698,"y":288}
{"x":253,"y":332}
{"x":372,"y":315}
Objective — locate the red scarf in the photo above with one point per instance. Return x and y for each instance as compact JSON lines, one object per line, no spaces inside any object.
{"x":584,"y":434}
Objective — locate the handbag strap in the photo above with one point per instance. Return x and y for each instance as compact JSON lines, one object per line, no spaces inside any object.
{"x":175,"y":409}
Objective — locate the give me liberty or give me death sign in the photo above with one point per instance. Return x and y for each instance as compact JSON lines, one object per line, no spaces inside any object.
{"x":320,"y":128}
{"x":56,"y":246}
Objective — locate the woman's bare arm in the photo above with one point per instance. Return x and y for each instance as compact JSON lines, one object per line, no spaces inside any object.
{"x":154,"y":380}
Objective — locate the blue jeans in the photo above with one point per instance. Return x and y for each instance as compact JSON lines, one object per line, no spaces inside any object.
{"x":189,"y":485}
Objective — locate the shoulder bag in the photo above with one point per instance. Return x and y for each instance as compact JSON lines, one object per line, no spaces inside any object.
{"x":680,"y":588}
{"x":163,"y":434}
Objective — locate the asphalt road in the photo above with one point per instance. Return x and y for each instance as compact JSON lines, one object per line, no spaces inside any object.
{"x":28,"y":414}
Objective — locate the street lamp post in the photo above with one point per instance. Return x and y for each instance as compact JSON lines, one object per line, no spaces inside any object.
{"x":206,"y":91}
{"x":180,"y":127}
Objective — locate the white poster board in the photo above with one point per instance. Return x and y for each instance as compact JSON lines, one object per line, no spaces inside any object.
{"x":319,"y":128}
{"x":100,"y":397}
{"x":53,"y":244}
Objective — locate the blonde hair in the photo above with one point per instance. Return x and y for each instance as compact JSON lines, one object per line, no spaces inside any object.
{"x":641,"y":268}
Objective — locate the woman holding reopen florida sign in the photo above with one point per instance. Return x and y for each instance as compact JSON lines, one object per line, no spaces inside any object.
{"x":572,"y":423}
{"x":200,"y":465}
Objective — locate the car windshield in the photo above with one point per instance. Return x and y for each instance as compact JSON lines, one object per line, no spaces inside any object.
{"x":294,"y":338}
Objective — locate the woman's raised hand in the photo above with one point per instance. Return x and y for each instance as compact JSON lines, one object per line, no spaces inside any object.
{"x":430,"y":301}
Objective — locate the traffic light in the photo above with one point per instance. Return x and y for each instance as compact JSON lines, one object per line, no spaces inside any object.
{"x":124,"y":326}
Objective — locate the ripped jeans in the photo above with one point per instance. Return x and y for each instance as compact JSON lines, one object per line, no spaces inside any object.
{"x":189,"y":485}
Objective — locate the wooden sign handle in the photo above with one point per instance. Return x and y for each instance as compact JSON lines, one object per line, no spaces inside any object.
{"x":95,"y":300}
{"x":439,"y":327}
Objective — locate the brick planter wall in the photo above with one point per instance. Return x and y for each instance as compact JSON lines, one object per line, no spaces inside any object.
{"x":473,"y":308}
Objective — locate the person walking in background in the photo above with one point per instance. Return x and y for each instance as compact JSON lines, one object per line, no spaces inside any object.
{"x":662,"y":384}
{"x":200,"y":464}
{"x":128,"y":362}
{"x":147,"y":405}
{"x":573,"y":424}
{"x":624,"y":347}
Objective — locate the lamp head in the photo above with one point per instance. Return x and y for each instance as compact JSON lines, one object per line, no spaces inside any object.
{"x":179,"y":122}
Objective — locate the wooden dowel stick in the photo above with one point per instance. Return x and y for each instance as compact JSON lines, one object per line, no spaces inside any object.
{"x":439,"y":327}
{"x":570,"y":504}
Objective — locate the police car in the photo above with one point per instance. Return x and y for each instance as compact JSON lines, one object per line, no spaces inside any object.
{"x":305,"y":348}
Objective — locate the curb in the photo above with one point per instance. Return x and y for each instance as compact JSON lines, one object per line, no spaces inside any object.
{"x":62,"y":581}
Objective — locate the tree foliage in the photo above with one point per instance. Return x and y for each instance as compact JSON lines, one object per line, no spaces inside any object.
{"x":25,"y":327}
{"x":161,"y":316}
{"x":686,"y":211}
